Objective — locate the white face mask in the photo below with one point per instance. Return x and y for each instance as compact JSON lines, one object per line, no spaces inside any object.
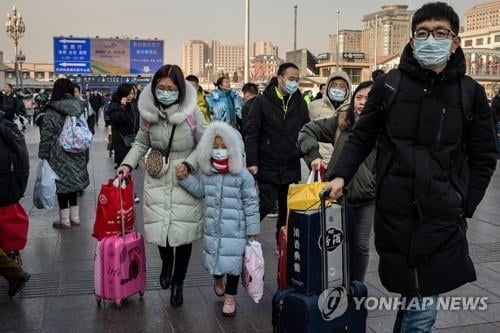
{"x":219,"y":154}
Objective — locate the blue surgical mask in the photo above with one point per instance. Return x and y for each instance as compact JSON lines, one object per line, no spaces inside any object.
{"x":219,"y":154}
{"x":167,"y":97}
{"x":291,"y":86}
{"x":336,"y":95}
{"x":432,"y":53}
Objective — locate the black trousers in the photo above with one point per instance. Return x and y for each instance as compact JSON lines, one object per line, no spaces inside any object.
{"x":231,"y":283}
{"x":66,"y":200}
{"x":91,"y":120}
{"x":182,"y":255}
{"x":269,"y":194}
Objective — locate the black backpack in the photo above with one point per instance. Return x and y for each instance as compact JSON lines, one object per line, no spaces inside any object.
{"x":14,"y":163}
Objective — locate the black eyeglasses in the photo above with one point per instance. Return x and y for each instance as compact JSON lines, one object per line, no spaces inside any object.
{"x":440,"y":34}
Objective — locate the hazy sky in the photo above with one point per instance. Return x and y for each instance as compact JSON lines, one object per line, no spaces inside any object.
{"x":177,"y":21}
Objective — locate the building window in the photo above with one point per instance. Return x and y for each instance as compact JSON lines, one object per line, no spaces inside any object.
{"x":468,"y":43}
{"x":497,"y":38}
{"x":51,"y":75}
{"x":479,"y":42}
{"x":39,"y":75}
{"x":354,"y":74}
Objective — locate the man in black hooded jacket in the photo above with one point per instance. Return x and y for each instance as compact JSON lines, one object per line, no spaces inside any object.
{"x":433,"y":166}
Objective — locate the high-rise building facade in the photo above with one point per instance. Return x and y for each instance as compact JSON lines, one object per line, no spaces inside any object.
{"x":386,"y":32}
{"x":349,"y":41}
{"x":226,"y":58}
{"x":482,"y":16}
{"x":263,"y":48}
{"x":194,"y":57}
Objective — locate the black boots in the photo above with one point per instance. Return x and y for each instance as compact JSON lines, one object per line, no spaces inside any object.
{"x":176,"y":298}
{"x":18,"y":285}
{"x":165,"y":276}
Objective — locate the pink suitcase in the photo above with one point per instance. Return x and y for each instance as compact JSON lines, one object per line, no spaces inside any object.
{"x":120,"y":267}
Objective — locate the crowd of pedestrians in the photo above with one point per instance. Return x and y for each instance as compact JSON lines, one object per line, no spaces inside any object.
{"x":413,"y":154}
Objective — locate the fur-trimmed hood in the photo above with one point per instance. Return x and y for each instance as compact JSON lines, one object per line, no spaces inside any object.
{"x":176,"y":113}
{"x":232,"y":140}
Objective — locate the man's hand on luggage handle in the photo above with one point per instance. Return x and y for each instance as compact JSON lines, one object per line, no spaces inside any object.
{"x":316,"y":164}
{"x":253,"y":169}
{"x":335,"y":186}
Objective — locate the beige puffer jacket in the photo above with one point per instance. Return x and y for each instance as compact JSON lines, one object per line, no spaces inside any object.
{"x":169,"y":211}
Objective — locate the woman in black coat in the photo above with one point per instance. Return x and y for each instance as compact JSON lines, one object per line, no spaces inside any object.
{"x":124,"y":121}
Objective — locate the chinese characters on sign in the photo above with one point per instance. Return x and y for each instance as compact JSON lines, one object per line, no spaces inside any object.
{"x":107,"y":56}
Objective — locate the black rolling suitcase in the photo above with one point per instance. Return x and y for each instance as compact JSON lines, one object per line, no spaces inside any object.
{"x":321,"y":299}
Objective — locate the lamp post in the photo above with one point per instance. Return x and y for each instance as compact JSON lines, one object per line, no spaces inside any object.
{"x":208,"y":67}
{"x":338,"y":42}
{"x":20,"y":59}
{"x":376,"y":42}
{"x":247,"y":40}
{"x":15,"y":28}
{"x":295,"y":28}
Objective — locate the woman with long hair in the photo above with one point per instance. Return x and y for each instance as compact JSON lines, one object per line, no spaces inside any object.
{"x":361,"y":190}
{"x":124,"y":121}
{"x":172,"y":125}
{"x":71,"y":168}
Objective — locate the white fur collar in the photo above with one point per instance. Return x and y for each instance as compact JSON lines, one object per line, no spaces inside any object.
{"x":176,"y":113}
{"x":232,"y":140}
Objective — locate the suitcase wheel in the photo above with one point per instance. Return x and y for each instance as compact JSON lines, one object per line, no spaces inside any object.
{"x":98,"y":300}
{"x":141,"y":293}
{"x":118,"y":303}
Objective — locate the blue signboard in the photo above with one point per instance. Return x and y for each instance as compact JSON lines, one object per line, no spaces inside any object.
{"x":72,"y":55}
{"x":146,"y":56}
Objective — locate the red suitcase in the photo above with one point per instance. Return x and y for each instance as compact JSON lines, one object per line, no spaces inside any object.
{"x":282,"y":258}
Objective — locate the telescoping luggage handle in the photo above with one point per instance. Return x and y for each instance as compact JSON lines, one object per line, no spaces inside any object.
{"x":121,"y":181}
{"x":324,"y":195}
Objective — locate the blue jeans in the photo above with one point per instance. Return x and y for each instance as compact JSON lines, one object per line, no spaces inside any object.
{"x":418,"y":317}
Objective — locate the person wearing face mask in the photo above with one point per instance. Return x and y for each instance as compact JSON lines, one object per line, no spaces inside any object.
{"x":124,"y":121}
{"x":361,"y":191}
{"x":225,"y":104}
{"x":170,"y":123}
{"x":435,"y":160}
{"x":337,"y":93}
{"x":231,"y":211}
{"x":272,"y":130}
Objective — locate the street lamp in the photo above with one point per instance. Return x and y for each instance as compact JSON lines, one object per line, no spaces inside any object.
{"x":21,"y":58}
{"x":338,"y":42}
{"x":15,"y":28}
{"x":208,"y":67}
{"x":247,"y":40}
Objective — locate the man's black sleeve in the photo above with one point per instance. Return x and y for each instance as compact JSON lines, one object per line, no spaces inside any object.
{"x":481,"y":151}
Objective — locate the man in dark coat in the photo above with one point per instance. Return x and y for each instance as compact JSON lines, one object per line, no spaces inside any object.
{"x":250,"y":91}
{"x":10,"y":103}
{"x":495,"y":109}
{"x":272,"y":129}
{"x":433,"y":166}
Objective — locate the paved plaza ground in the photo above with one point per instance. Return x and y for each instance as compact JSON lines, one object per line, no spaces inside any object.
{"x":59,"y":296}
